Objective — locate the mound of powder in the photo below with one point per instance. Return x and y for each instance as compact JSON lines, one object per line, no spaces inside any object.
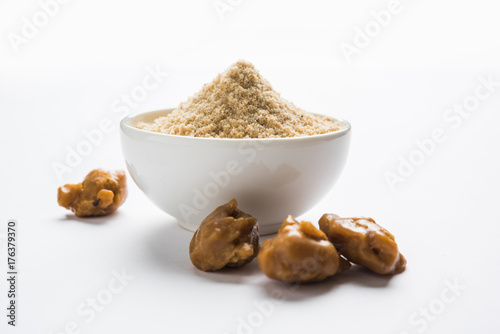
{"x":240,"y":103}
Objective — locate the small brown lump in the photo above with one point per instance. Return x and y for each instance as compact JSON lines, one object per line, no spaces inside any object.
{"x":364,"y":242}
{"x":227,"y":237}
{"x":100,"y":193}
{"x":299,"y":253}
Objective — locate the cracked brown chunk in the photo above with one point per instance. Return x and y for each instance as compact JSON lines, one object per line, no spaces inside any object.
{"x":364,"y":242}
{"x":100,"y":193}
{"x":300,"y":253}
{"x":227,"y":237}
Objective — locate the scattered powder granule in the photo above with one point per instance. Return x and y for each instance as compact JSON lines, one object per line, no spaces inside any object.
{"x":240,"y":103}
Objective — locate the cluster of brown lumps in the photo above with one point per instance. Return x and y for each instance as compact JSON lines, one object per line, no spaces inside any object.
{"x":299,"y":252}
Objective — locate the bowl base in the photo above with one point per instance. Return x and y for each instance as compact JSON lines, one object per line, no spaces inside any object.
{"x":263,"y":230}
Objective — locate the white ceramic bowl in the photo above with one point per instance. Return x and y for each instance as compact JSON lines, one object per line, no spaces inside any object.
{"x":188,"y":177}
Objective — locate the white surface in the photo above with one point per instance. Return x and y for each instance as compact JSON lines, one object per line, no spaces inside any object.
{"x":444,"y":216}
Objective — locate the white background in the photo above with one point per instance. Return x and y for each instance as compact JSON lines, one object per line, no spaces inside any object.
{"x":395,"y":91}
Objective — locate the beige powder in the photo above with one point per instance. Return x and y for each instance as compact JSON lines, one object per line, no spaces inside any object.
{"x":240,"y":103}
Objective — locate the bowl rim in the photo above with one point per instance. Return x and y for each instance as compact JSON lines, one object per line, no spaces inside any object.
{"x":125,"y":126}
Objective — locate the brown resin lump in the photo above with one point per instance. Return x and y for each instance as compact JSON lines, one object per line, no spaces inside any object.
{"x":227,"y":237}
{"x":299,"y":253}
{"x":364,"y":242}
{"x":100,"y":193}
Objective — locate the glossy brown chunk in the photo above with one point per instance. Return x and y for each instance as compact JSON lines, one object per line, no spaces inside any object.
{"x":364,"y":242}
{"x":299,"y":253}
{"x":100,"y":193}
{"x":227,"y":237}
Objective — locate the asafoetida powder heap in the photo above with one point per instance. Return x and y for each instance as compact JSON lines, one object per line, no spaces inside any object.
{"x":240,"y":103}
